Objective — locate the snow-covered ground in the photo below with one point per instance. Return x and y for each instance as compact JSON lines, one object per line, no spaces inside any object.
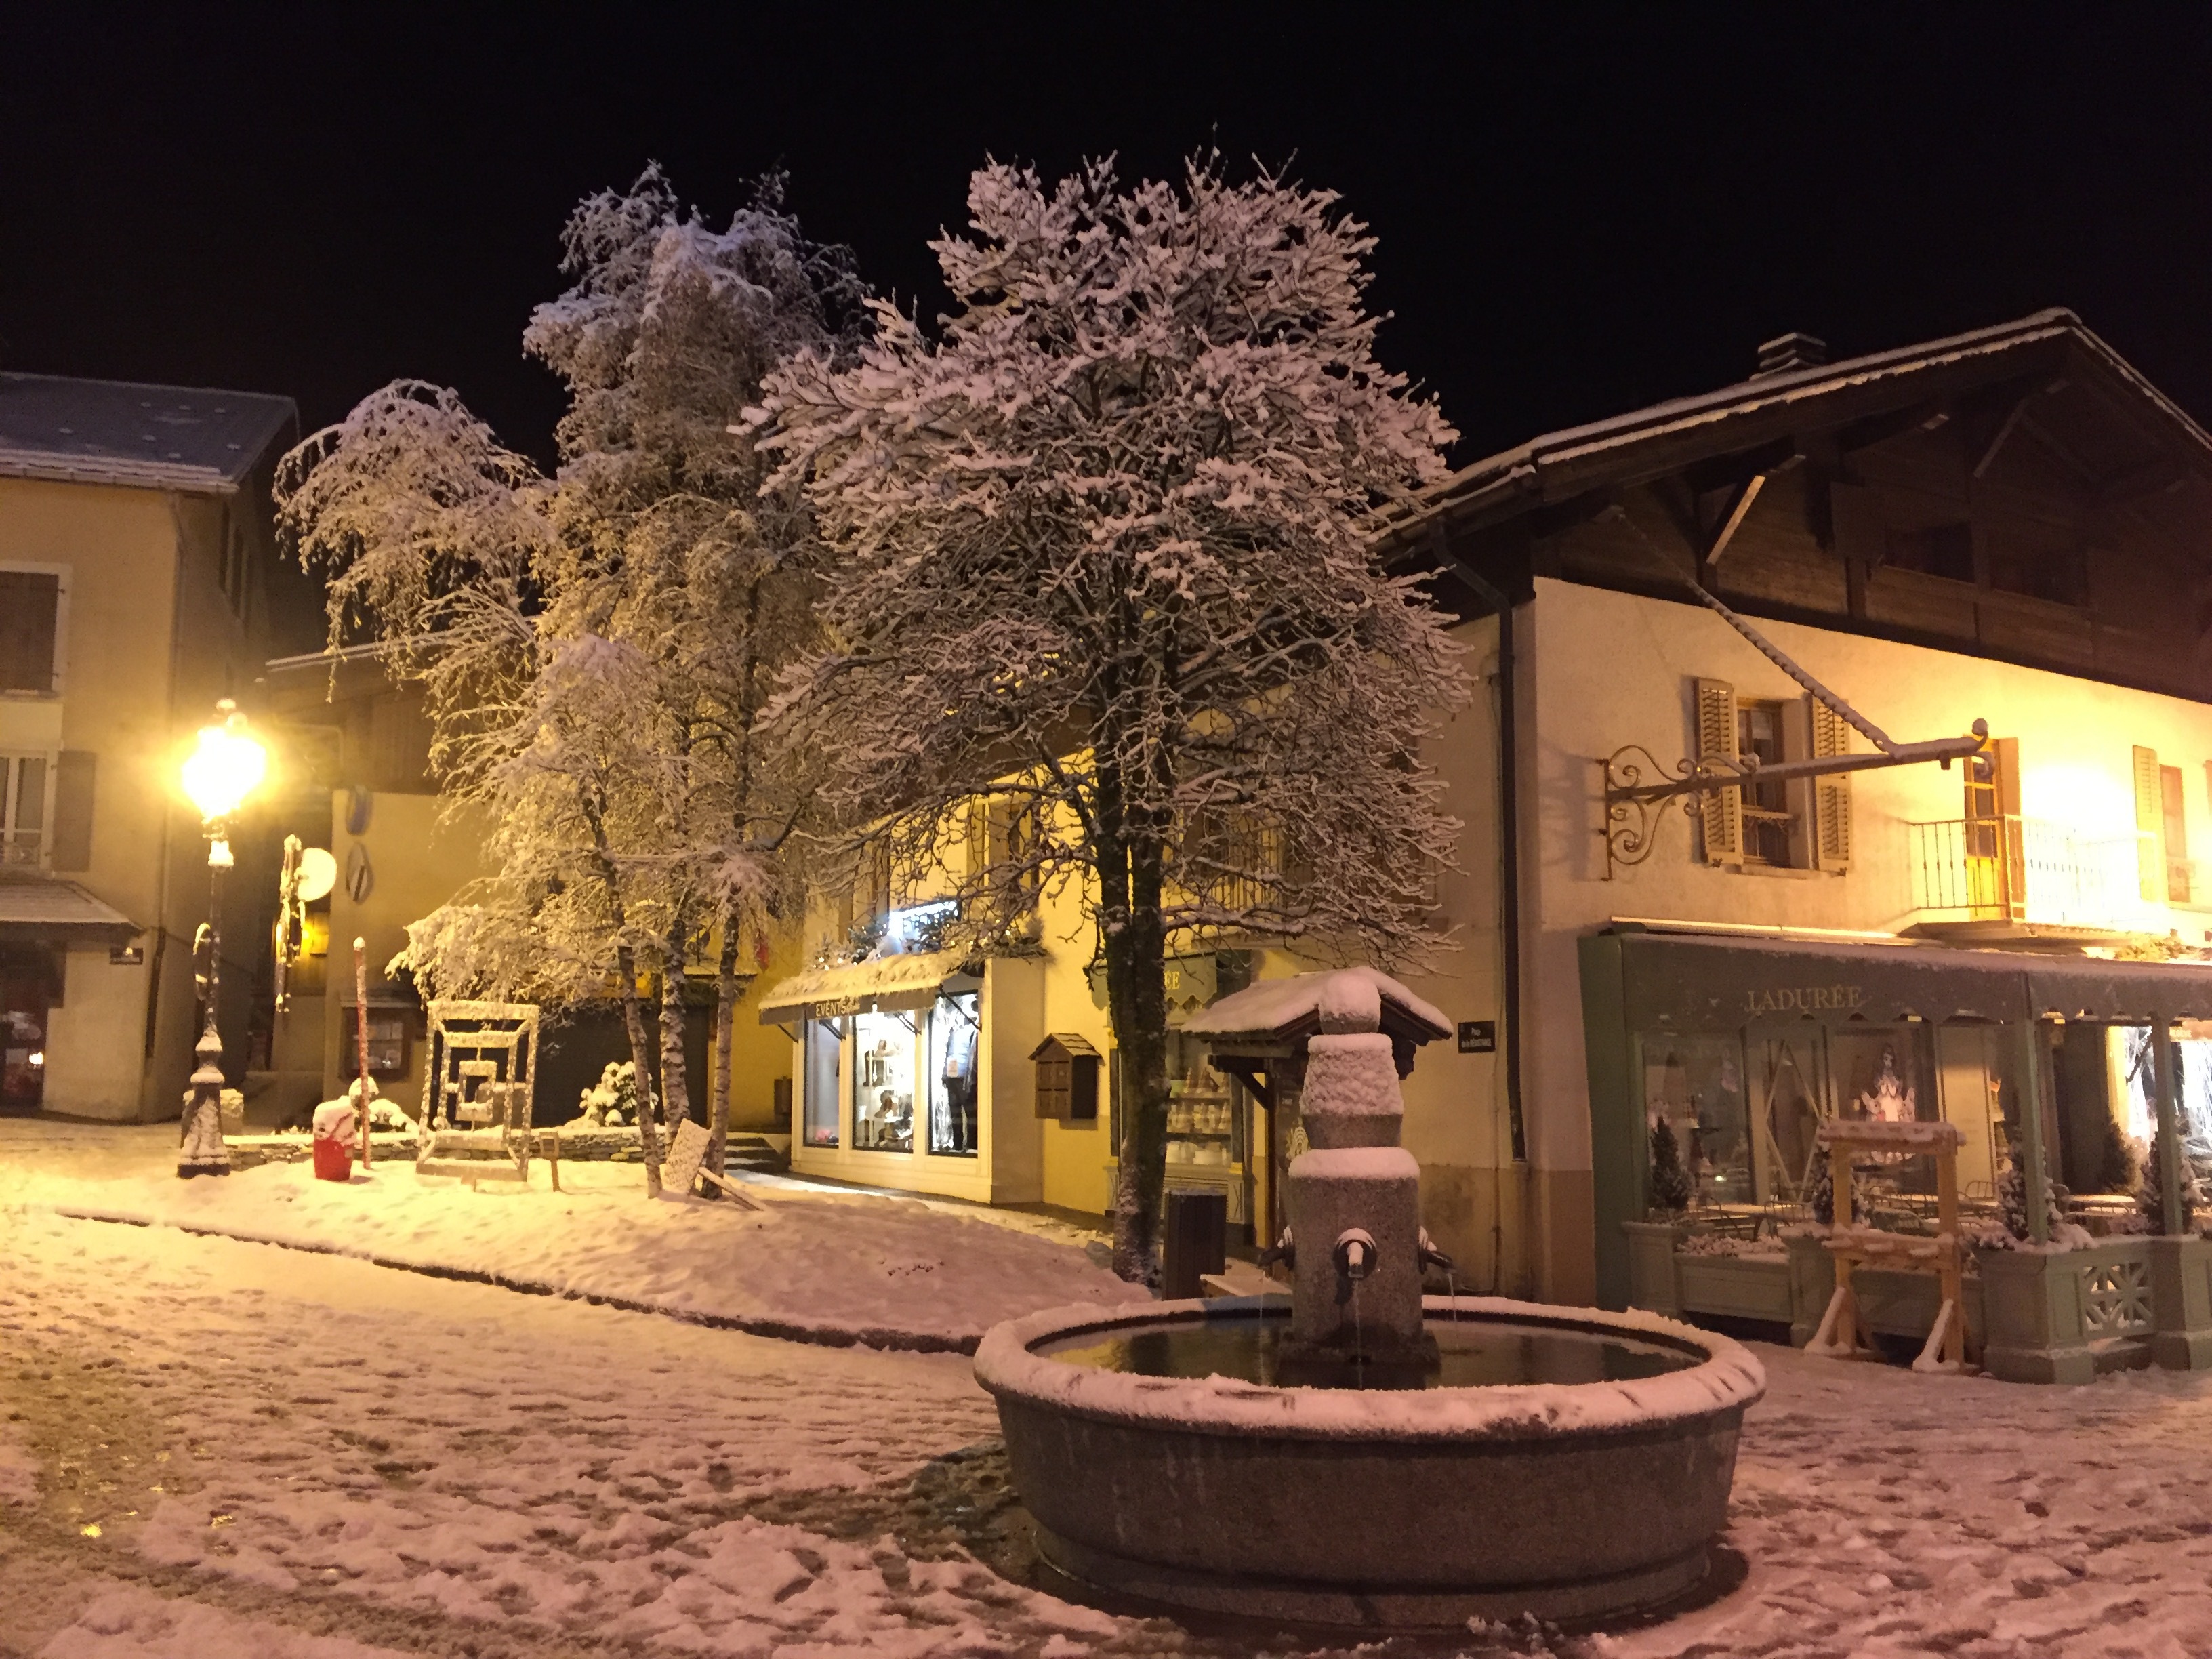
{"x":209,"y":1447}
{"x":897,"y":1272}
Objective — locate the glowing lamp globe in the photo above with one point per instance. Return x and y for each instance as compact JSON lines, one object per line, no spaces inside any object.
{"x":226,"y":767}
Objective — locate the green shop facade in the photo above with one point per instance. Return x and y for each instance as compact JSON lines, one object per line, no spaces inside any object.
{"x":1746,"y":1042}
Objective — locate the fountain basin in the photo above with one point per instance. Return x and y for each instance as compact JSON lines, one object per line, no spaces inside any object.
{"x":1380,"y":1508}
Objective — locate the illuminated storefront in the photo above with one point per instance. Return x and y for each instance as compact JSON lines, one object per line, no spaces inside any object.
{"x":1745,"y":1043}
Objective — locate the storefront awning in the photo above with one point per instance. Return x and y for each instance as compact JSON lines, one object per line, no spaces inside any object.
{"x":40,"y":910}
{"x":1696,"y":983}
{"x":886,"y":984}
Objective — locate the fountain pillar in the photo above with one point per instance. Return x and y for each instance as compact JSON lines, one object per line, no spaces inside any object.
{"x":1354,"y":1205}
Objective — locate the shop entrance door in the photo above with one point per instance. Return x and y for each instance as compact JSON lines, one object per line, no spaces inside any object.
{"x":22,"y":1040}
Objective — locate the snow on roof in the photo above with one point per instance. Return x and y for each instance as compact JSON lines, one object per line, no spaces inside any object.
{"x":883,"y":982}
{"x":1519,"y":470}
{"x":1276,"y":1004}
{"x":152,"y":436}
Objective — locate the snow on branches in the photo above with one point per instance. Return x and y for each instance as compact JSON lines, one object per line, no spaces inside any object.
{"x":596,"y":648}
{"x":1102,"y":555}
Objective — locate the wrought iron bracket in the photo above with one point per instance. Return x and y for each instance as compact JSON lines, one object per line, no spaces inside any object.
{"x":1631,"y":818}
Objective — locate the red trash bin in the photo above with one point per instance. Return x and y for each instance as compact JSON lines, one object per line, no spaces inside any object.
{"x":334,"y":1131}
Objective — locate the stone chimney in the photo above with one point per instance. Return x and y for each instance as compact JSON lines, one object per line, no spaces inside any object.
{"x":1788,"y":351}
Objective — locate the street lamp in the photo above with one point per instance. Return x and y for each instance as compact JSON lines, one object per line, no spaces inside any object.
{"x":218,"y":775}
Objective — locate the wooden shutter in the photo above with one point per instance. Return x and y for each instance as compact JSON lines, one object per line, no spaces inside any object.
{"x":72,"y":811}
{"x":2150,"y":826}
{"x":1832,"y":794}
{"x":1053,"y":1078}
{"x":1721,"y":809}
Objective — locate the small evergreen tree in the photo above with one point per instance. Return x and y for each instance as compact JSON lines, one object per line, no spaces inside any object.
{"x":1670,"y":1181}
{"x":2012,"y":1199}
{"x":1820,"y":1193}
{"x":2150,"y":1193}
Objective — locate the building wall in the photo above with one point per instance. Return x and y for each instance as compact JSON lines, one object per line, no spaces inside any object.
{"x":118,"y":548}
{"x":419,"y":862}
{"x":1610,"y":669}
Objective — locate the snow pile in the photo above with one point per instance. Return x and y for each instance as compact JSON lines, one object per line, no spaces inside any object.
{"x":889,"y":1273}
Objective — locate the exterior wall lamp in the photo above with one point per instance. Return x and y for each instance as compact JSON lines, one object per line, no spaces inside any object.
{"x":226,"y":767}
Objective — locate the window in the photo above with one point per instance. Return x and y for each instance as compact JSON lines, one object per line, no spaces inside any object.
{"x":1773,"y":823}
{"x":955,"y":1025}
{"x":30,"y":626}
{"x":1940,"y":549}
{"x":23,"y":809}
{"x":1768,"y":822}
{"x":819,"y":1086}
{"x":883,"y":1066}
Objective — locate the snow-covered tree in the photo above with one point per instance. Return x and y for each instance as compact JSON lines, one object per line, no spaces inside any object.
{"x":597,"y":648}
{"x":1102,"y":558}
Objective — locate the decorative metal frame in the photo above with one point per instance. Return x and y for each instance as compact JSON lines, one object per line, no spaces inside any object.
{"x":479,"y":1069}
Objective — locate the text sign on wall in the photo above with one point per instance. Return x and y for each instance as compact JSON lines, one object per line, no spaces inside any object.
{"x":1803,"y":1000}
{"x":1478,"y":1037}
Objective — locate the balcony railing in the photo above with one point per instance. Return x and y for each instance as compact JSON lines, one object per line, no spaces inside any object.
{"x":2023,"y":870}
{"x":20,"y":849}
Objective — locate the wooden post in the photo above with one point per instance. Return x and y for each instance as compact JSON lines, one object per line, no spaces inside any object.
{"x":1839,"y":1165}
{"x":2035,"y":1182}
{"x":361,"y":1040}
{"x":2170,"y":1152}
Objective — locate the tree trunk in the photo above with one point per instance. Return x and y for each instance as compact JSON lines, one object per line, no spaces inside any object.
{"x":675,"y":1084}
{"x":726,"y":1020}
{"x":640,"y":1056}
{"x":1136,"y":989}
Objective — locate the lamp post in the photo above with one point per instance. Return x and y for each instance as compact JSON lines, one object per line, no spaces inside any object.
{"x":227,"y":766}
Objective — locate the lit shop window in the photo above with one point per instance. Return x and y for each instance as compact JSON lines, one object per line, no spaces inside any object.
{"x":884,"y":1076}
{"x":820,"y":1083}
{"x":955,"y":1026}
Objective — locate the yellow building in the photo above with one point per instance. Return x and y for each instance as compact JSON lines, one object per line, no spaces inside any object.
{"x":356,"y":745}
{"x":2009,"y":526}
{"x":134,"y":555}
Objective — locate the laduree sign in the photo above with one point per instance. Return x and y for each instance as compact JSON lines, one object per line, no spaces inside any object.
{"x":1803,"y":1000}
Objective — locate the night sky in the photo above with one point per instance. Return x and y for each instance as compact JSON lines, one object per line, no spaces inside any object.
{"x":1581,"y":209}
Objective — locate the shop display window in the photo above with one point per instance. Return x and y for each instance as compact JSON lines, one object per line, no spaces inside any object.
{"x":955,"y":1027}
{"x":1696,"y":1083}
{"x":883,"y":1078}
{"x":823,"y":1041}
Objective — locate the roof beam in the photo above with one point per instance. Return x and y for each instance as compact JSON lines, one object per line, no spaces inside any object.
{"x":1732,"y":512}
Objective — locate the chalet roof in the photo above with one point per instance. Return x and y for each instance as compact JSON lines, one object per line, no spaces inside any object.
{"x":1665,"y":437}
{"x":119,"y":432}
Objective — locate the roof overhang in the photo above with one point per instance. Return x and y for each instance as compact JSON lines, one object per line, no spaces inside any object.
{"x":41,"y":910}
{"x":885,"y":985}
{"x":1647,"y":443}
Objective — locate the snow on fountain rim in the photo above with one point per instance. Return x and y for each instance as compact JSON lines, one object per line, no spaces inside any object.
{"x":1729,"y":1379}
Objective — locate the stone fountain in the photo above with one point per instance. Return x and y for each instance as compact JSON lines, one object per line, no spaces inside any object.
{"x":1366,"y":1455}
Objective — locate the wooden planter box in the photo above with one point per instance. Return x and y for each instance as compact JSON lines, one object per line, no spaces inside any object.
{"x":1664,"y":1280}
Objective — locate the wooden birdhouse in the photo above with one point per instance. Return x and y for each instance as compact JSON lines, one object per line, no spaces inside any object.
{"x":1066,"y":1079}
